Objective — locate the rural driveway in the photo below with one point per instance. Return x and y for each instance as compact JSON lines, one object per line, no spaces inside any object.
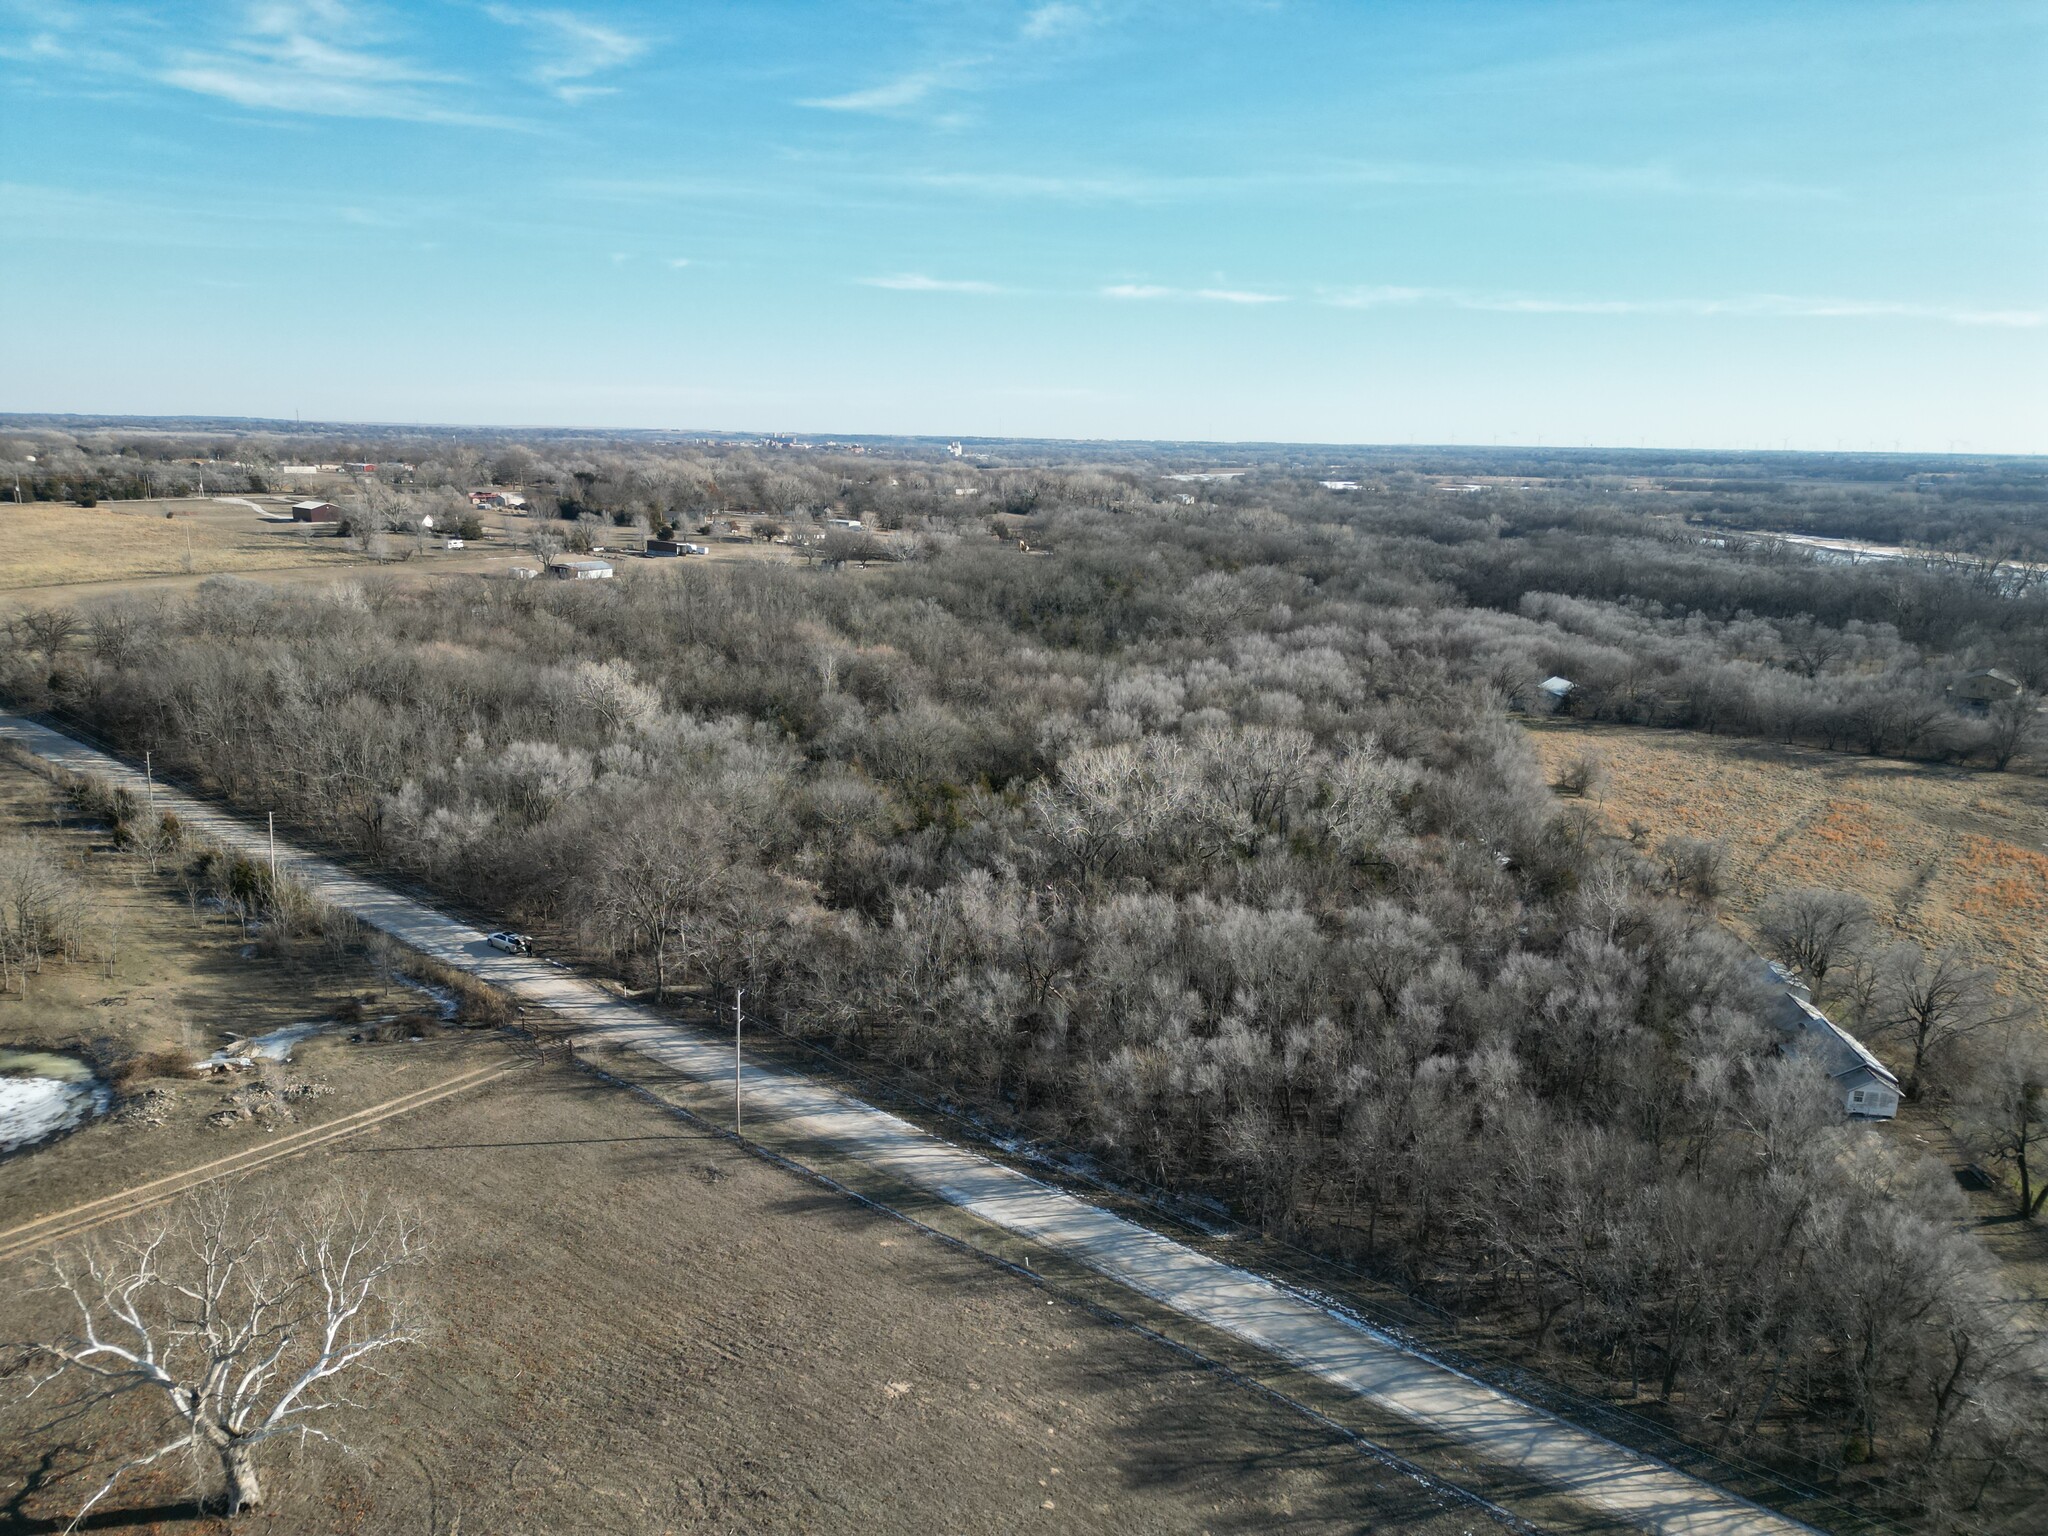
{"x":1480,"y":1418}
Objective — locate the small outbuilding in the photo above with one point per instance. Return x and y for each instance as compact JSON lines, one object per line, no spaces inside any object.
{"x":1559,"y":688}
{"x":1986,"y":686}
{"x":581,"y":570}
{"x":315,"y":512}
{"x":669,"y":547}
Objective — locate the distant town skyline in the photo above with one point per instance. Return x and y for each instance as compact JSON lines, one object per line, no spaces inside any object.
{"x":1713,"y":225}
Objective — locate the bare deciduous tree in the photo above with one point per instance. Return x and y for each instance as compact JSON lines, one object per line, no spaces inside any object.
{"x":652,"y":885}
{"x":156,"y":840}
{"x":1810,"y":647}
{"x":1694,"y":868}
{"x":2015,"y":729}
{"x":47,"y":630}
{"x":545,"y":543}
{"x":1930,"y":1002}
{"x":237,"y":1319}
{"x":41,"y":908}
{"x":2004,"y":1108}
{"x":1585,"y":776}
{"x":1810,"y":929}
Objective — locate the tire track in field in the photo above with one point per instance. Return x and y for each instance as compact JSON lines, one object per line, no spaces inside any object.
{"x":19,"y":1241}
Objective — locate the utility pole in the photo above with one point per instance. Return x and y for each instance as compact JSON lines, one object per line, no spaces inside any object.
{"x":738,"y":993}
{"x":273,"y":850}
{"x":149,"y":777}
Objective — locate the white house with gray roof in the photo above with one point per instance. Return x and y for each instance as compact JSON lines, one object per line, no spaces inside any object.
{"x":1868,"y":1089}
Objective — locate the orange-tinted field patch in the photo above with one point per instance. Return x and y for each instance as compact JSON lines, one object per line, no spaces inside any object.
{"x":1946,"y":857}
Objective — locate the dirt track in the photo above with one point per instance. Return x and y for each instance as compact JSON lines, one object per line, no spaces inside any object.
{"x":19,"y":1241}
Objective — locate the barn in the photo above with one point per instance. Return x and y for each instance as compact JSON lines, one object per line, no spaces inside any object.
{"x":315,"y":512}
{"x":581,"y":570}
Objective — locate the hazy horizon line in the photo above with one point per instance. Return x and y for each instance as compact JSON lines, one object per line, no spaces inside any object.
{"x":194,"y":421}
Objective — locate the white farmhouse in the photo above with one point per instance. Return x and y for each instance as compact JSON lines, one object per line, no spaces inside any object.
{"x":1869,"y":1091}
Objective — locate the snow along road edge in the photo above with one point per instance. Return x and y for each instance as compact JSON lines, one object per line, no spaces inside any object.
{"x":1359,"y":1359}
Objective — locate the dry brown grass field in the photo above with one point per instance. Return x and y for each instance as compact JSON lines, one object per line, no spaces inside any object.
{"x":634,"y":1326}
{"x":57,"y":553}
{"x":1946,"y":856}
{"x":46,"y":544}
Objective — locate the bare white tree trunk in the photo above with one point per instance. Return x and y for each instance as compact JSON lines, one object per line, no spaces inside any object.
{"x":243,"y":1491}
{"x":236,"y":1320}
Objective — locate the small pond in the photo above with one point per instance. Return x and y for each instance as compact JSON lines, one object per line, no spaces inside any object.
{"x":43,"y":1095}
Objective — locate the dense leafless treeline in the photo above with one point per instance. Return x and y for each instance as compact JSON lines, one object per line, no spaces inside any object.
{"x":1202,"y":839}
{"x":42,"y":910}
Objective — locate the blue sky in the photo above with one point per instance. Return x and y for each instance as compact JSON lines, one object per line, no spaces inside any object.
{"x":1810,"y":224}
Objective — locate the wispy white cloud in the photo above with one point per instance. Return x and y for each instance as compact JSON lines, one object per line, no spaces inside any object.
{"x":322,"y":57}
{"x":1007,"y":59}
{"x":44,"y":31}
{"x":571,"y":49}
{"x":678,"y":262}
{"x":1198,"y":295}
{"x":891,"y":96}
{"x":43,"y":47}
{"x":1057,"y":19}
{"x":1749,"y":306}
{"x":918,"y":282}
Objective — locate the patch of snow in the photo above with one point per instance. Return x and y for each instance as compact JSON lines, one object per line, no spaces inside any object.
{"x":273,"y":1046}
{"x":446,"y":1001}
{"x":35,"y":1107}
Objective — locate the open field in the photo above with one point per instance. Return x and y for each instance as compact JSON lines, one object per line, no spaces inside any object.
{"x":56,"y":544}
{"x":636,"y":1327}
{"x":56,"y":552}
{"x":639,"y":1329}
{"x":53,"y":551}
{"x":1946,"y":856}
